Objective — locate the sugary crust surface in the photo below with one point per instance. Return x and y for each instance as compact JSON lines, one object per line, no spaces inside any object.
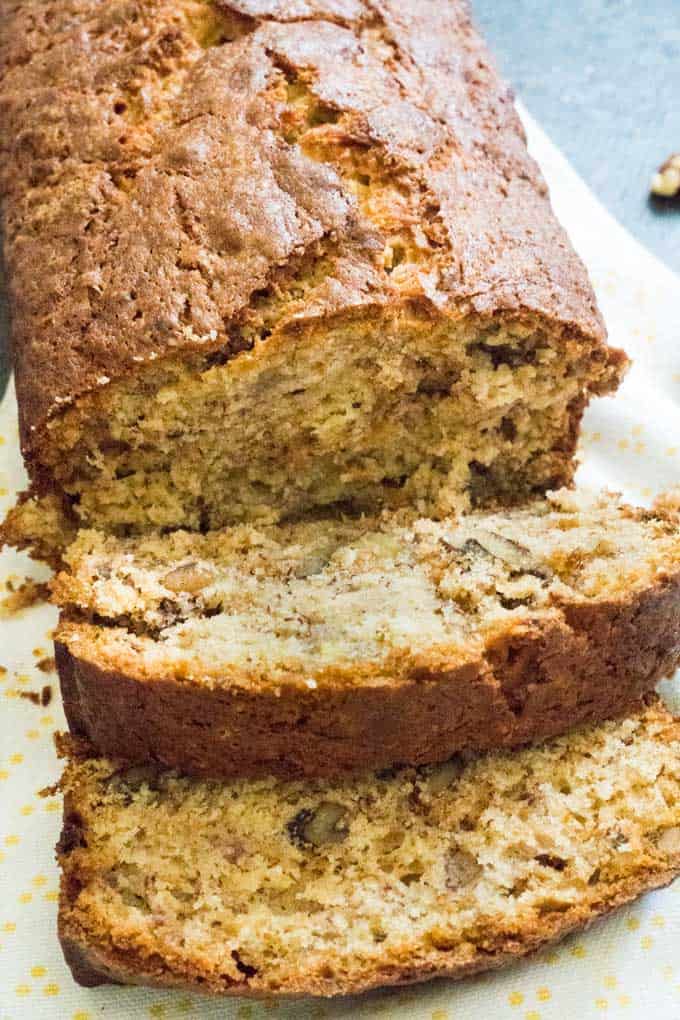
{"x":148,"y":191}
{"x":589,"y":663}
{"x":94,"y":961}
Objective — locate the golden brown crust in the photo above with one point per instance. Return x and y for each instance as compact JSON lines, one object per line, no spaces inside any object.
{"x":593,"y":663}
{"x":95,"y":960}
{"x":155,"y":219}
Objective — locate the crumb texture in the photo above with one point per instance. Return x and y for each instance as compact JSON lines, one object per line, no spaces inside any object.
{"x":322,"y":888}
{"x":327,"y":645}
{"x":338,"y":592}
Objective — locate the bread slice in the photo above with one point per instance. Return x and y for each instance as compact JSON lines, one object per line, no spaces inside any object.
{"x":260,"y":262}
{"x":264,"y":887}
{"x":322,"y":647}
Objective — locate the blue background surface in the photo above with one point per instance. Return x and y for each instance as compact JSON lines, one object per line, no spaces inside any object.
{"x":603,"y":79}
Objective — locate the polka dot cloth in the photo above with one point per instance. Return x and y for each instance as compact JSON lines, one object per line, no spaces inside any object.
{"x":626,"y":967}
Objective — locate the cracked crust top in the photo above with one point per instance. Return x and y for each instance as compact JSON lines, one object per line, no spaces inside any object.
{"x":153,"y":183}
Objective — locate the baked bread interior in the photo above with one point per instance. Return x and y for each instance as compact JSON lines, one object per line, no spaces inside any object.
{"x":264,"y":887}
{"x":338,"y":643}
{"x":286,"y":262}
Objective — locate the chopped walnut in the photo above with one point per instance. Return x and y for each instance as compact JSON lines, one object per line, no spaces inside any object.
{"x":444,"y":775}
{"x":669,"y":841}
{"x":516,"y":556}
{"x":326,"y":824}
{"x":461,"y":869}
{"x":188,"y":578}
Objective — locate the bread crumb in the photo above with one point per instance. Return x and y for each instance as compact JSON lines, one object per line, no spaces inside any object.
{"x":42,"y":697}
{"x":32,"y":696}
{"x":29,"y":593}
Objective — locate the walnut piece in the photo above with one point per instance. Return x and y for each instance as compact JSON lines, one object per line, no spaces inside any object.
{"x":516,"y":556}
{"x":461,"y":869}
{"x":666,"y":181}
{"x":444,"y":775}
{"x":325,"y":824}
{"x":140,"y":775}
{"x":189,"y":578}
{"x":669,"y":841}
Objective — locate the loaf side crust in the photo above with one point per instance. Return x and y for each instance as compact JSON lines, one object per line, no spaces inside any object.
{"x":126,"y":125}
{"x":586,"y":664}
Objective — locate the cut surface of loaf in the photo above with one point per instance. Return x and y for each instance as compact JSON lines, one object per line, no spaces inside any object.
{"x":287,"y":258}
{"x":265,"y":887}
{"x":326,"y":646}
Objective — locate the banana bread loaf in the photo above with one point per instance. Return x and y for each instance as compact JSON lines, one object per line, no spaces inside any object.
{"x":263,"y":887}
{"x":321,"y":647}
{"x":268,"y":256}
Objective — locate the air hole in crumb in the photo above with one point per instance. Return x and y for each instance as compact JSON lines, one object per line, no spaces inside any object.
{"x":508,"y":429}
{"x":395,"y":483}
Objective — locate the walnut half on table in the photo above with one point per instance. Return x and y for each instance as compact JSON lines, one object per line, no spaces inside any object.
{"x":666,"y":181}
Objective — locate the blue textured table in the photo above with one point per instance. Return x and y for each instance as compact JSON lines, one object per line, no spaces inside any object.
{"x":603,"y":78}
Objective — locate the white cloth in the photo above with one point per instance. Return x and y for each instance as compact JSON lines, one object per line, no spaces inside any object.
{"x":626,"y":966}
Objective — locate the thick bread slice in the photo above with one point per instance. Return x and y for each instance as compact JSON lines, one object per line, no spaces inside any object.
{"x":262,"y":260}
{"x":264,"y":887}
{"x":321,"y":647}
